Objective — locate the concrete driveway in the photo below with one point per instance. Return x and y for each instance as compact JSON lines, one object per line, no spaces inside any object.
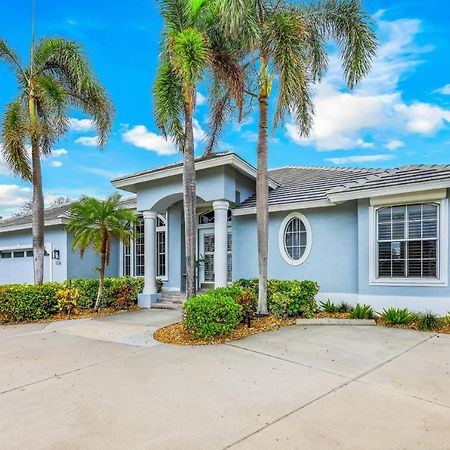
{"x":105,"y":384}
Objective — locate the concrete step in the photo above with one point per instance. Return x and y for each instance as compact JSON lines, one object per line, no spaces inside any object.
{"x":167,"y":305}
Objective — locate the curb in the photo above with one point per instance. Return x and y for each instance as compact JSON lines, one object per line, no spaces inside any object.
{"x":330,"y":321}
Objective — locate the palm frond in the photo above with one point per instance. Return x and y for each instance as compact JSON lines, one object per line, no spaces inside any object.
{"x":10,"y":57}
{"x":177,"y":14}
{"x":169,"y":103}
{"x":14,"y":134}
{"x":351,"y":27}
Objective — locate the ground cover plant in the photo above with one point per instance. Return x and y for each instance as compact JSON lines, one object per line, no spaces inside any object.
{"x":397,"y":316}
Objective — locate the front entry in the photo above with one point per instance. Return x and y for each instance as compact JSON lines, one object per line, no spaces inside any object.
{"x":206,"y":255}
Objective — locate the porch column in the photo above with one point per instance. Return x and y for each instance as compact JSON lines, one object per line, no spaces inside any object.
{"x":149,"y":294}
{"x":220,"y":243}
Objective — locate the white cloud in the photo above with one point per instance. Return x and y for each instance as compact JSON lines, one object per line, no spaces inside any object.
{"x":250,"y":136}
{"x":81,"y":124}
{"x":199,"y":133}
{"x":394,"y":144}
{"x":423,"y":118}
{"x":12,"y":197}
{"x":88,"y":141}
{"x":360,"y":159}
{"x":444,"y":90}
{"x":143,"y":138}
{"x":59,"y":152}
{"x":375,"y":108}
{"x":55,"y":164}
{"x":200,"y":99}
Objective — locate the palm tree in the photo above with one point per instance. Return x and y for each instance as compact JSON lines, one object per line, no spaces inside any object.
{"x":58,"y":78}
{"x":288,"y":43}
{"x":95,"y":223}
{"x":192,"y":44}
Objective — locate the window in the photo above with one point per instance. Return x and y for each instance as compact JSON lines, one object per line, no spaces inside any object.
{"x":408,"y":241}
{"x":19,"y":254}
{"x":127,"y":260}
{"x":295,"y":238}
{"x":6,"y":255}
{"x":29,"y":253}
{"x":208,"y":217}
{"x":139,"y":248}
{"x":161,"y":246}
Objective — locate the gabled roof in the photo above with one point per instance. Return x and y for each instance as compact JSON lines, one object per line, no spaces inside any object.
{"x":55,"y":215}
{"x":304,"y":186}
{"x":129,"y":182}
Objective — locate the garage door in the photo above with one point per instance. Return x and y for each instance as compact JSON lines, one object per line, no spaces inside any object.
{"x":16,"y":266}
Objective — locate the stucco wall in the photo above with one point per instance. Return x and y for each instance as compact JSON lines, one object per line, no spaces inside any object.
{"x":174,"y":245}
{"x":85,"y":268}
{"x":332,"y":261}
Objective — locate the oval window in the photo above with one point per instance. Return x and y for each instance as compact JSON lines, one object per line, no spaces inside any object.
{"x":295,"y":238}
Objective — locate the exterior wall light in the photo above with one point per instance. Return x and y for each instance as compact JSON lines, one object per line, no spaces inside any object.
{"x":55,"y":254}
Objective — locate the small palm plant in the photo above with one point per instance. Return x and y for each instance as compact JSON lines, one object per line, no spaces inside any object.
{"x":95,"y":223}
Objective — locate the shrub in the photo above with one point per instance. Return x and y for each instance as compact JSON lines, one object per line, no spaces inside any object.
{"x":446,"y":319}
{"x":428,"y":321}
{"x":211,"y":314}
{"x":67,"y":300}
{"x":396,"y":316}
{"x":300,"y":294}
{"x":362,"y":311}
{"x":26,"y":302}
{"x":329,"y":306}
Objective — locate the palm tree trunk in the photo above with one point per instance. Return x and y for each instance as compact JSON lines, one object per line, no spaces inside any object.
{"x":38,"y":199}
{"x":262,"y":207}
{"x":101,"y":273}
{"x":189,"y":204}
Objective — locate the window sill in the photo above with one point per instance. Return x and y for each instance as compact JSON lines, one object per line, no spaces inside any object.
{"x":419,"y":282}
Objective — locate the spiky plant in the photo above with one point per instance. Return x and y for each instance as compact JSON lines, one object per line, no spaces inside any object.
{"x":57,"y":78}
{"x":287,"y":44}
{"x":192,"y":45}
{"x":95,"y":223}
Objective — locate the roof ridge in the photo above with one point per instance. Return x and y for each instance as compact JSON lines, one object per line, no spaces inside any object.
{"x":331,"y":168}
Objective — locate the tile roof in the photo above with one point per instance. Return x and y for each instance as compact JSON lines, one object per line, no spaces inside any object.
{"x":304,"y":184}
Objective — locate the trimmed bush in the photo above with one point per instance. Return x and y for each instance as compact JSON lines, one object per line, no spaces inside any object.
{"x":213,"y":314}
{"x":300,"y":296}
{"x":27,"y":302}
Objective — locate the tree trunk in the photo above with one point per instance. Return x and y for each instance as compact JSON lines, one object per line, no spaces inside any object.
{"x":262,"y":207}
{"x":189,"y":204}
{"x":38,"y":199}
{"x":101,"y":273}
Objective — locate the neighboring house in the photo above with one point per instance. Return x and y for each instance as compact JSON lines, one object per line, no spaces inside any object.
{"x":372,"y":236}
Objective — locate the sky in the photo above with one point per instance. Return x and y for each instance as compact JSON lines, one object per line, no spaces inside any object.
{"x":399,"y":115}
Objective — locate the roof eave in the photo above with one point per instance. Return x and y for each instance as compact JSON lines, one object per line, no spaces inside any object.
{"x":285,"y":207}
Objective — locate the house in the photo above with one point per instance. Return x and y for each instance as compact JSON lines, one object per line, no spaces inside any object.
{"x":376,"y":236}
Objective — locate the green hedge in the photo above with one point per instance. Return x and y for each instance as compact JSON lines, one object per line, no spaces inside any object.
{"x":26,"y":302}
{"x":214,"y":313}
{"x":286,"y":297}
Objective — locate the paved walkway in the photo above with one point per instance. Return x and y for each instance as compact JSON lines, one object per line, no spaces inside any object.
{"x":106,"y":384}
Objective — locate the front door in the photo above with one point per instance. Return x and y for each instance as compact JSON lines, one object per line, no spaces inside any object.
{"x":206,"y":254}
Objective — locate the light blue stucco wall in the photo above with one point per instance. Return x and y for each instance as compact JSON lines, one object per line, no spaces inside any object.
{"x":332,"y":262}
{"x":20,"y":270}
{"x":85,"y":268}
{"x":174,"y":247}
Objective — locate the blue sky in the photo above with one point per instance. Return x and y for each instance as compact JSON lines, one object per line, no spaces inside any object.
{"x":399,"y":115}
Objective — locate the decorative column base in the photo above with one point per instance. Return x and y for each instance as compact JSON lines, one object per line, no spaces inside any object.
{"x":147,"y":300}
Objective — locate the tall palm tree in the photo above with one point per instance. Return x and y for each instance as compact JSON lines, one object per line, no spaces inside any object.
{"x":192,"y":44}
{"x":57,"y":78}
{"x":287,"y":43}
{"x":95,"y":223}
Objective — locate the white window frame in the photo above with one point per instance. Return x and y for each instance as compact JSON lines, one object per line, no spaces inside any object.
{"x":164,"y":217}
{"x":281,"y":239}
{"x":442,"y":243}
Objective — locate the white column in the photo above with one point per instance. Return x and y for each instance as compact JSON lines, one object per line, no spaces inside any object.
{"x":220,"y":242}
{"x":149,"y":294}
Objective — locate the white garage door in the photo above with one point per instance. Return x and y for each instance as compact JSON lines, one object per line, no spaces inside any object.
{"x":16,"y":266}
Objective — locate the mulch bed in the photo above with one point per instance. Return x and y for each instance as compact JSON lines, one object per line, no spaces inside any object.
{"x":178,"y":335}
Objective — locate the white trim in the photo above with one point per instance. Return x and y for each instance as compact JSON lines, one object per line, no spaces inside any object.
{"x":285,"y":207}
{"x":412,"y":197}
{"x":337,"y":297}
{"x":389,"y":190}
{"x":231,"y":159}
{"x":442,"y":281}
{"x":26,"y":226}
{"x":281,"y":243}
